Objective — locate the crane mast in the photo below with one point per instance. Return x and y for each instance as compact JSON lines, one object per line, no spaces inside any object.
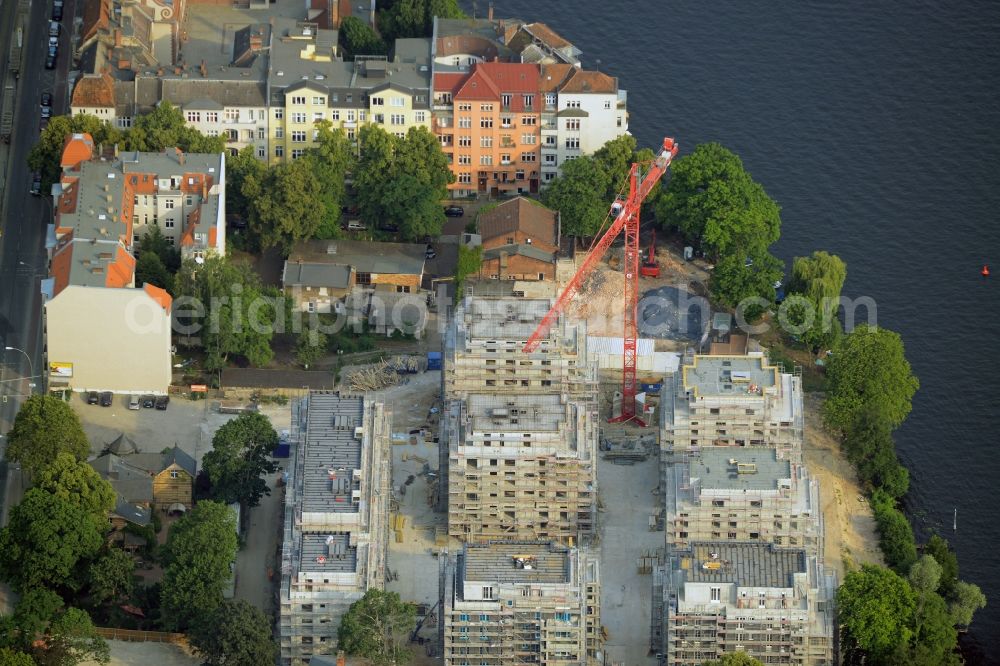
{"x":625,"y":213}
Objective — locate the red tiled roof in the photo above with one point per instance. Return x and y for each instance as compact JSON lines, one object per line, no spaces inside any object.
{"x":547,"y":35}
{"x":159,"y":295}
{"x":448,"y":81}
{"x":477,"y":86}
{"x":96,"y":17}
{"x":62,"y":260}
{"x":121,"y":270}
{"x":519,"y":214}
{"x":511,"y":77}
{"x":553,"y":75}
{"x":78,"y":148}
{"x":94,"y":90}
{"x":589,"y":81}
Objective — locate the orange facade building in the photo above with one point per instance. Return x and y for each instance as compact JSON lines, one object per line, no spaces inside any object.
{"x":488,"y":123}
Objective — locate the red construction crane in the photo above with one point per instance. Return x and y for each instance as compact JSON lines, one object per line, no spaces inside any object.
{"x":625,"y":215}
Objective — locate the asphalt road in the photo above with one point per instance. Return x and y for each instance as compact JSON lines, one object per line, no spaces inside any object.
{"x":25,"y":217}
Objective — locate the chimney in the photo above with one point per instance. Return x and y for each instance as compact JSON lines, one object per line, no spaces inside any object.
{"x":204,"y":70}
{"x":489,"y":15}
{"x":180,"y":156}
{"x":118,"y":37}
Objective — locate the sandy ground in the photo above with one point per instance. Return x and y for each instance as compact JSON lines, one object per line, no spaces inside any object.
{"x":125,"y":653}
{"x":851,"y":538}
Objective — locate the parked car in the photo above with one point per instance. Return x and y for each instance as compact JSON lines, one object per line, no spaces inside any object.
{"x":162,"y":402}
{"x":454,"y":211}
{"x":133,"y":402}
{"x":36,"y":183}
{"x":107,"y":399}
{"x":148,"y":401}
{"x":43,"y":123}
{"x":57,"y":10}
{"x":53,"y":44}
{"x":430,"y":253}
{"x":93,"y":398}
{"x":355,"y":225}
{"x":388,"y":226}
{"x":54,"y":29}
{"x":46,"y":104}
{"x":50,"y":61}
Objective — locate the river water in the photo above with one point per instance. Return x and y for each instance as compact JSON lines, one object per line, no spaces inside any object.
{"x":876,"y":127}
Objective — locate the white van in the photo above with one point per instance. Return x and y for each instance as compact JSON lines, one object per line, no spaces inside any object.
{"x":356,"y":225}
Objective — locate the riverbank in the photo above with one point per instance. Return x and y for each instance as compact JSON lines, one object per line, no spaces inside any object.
{"x":850,"y":536}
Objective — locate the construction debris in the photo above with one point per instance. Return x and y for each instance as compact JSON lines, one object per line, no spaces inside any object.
{"x":383,"y":374}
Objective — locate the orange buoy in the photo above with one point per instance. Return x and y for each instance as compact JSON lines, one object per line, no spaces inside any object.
{"x":986,"y":271}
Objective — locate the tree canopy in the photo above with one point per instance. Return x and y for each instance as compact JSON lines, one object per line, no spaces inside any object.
{"x":965,"y":600}
{"x":736,"y":280}
{"x":244,"y":176}
{"x":70,"y":639}
{"x":875,"y":607}
{"x":196,"y":558}
{"x":149,"y":269}
{"x":378,"y":627}
{"x":44,"y":427}
{"x":938,"y":548}
{"x":46,"y":154}
{"x":78,"y":483}
{"x":358,"y":38}
{"x":868,"y":371}
{"x":165,"y":127}
{"x":734,"y":659}
{"x":413,"y":18}
{"x":818,"y":279}
{"x":239,"y":457}
{"x":330,"y":160}
{"x":50,"y":532}
{"x":580,"y":194}
{"x":234,"y":633}
{"x":871,"y":449}
{"x":286,"y":210}
{"x":110,"y":576}
{"x":10,"y":657}
{"x":895,"y":534}
{"x":153,"y":241}
{"x":402,"y":181}
{"x":238,"y":316}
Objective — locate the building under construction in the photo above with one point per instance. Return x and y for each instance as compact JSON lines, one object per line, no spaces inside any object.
{"x":519,"y":430}
{"x":520,"y":467}
{"x":742,"y":495}
{"x":732,"y":401}
{"x":521,"y":602}
{"x":774,"y":603}
{"x":336,"y":518}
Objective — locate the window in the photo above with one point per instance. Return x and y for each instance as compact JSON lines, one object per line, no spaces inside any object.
{"x":486,"y":107}
{"x":550,"y":160}
{"x":718,"y":503}
{"x":299,"y":99}
{"x":505,"y":159}
{"x":573,"y":124}
{"x":261,"y":133}
{"x":487,"y":592}
{"x":168,"y":204}
{"x":529,"y":101}
{"x":361,"y":115}
{"x":317,"y":116}
{"x":486,"y":123}
{"x":378,"y":101}
{"x":299,"y":118}
{"x":465,"y":122}
{"x":211,"y":116}
{"x":550,"y":99}
{"x":465,"y":107}
{"x":573,"y":104}
{"x":232,"y":115}
{"x":261,"y":152}
{"x":297,"y":153}
{"x":486,"y":160}
{"x":193,"y":116}
{"x":465,"y":178}
{"x":465,"y":141}
{"x":420,"y":117}
{"x":350,"y":115}
{"x":319,"y":101}
{"x":619,"y":121}
{"x":607,"y":104}
{"x":298,"y":137}
{"x":402,"y":288}
{"x":573,"y":142}
{"x":279,"y":132}
{"x":528,"y":139}
{"x":528,"y":157}
{"x":397,"y":119}
{"x":485,"y":142}
{"x":465,"y":159}
{"x":483,"y":617}
{"x":363,"y":278}
{"x":398,"y":102}
{"x":279,"y":151}
{"x":279,"y":114}
{"x":716,"y":594}
{"x":463,"y":618}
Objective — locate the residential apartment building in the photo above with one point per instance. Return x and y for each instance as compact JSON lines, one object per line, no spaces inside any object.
{"x":732,"y":401}
{"x":742,"y":495}
{"x":307,"y":83}
{"x":775,"y":604}
{"x":336,"y":518}
{"x":521,"y":602}
{"x":487,"y":122}
{"x":521,"y":467}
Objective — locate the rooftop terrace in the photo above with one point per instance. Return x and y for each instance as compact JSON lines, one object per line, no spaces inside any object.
{"x":734,"y":468}
{"x":521,"y":562}
{"x":729,"y":375}
{"x":332,"y":453}
{"x":746,"y":565}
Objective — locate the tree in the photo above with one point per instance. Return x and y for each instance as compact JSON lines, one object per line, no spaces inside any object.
{"x":9,"y":657}
{"x":413,"y":18}
{"x":235,"y":633}
{"x":78,"y":483}
{"x":579,"y":193}
{"x":165,"y":127}
{"x":402,"y":181}
{"x":871,"y":449}
{"x":934,"y":635}
{"x":330,"y":160}
{"x":713,"y":201}
{"x":238,"y":317}
{"x":51,"y":533}
{"x":285,"y":210}
{"x":44,"y":427}
{"x":378,"y":626}
{"x":46,"y":155}
{"x":945,"y":556}
{"x":310,"y":346}
{"x":149,"y":269}
{"x":153,"y":241}
{"x":868,"y":371}
{"x":964,"y":601}
{"x":239,"y":457}
{"x":735,"y":280}
{"x":196,"y":558}
{"x":734,"y":659}
{"x":818,"y":279}
{"x":244,"y":175}
{"x":110,"y":576}
{"x":32,"y":615}
{"x":895,"y":534}
{"x":358,"y":38}
{"x":615,"y":158}
{"x":71,"y":639}
{"x":875,"y":608}
{"x":925,"y":574}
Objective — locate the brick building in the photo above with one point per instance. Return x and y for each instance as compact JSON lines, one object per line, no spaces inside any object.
{"x":520,"y":241}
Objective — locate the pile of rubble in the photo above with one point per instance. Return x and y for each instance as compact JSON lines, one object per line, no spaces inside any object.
{"x":384,"y":374}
